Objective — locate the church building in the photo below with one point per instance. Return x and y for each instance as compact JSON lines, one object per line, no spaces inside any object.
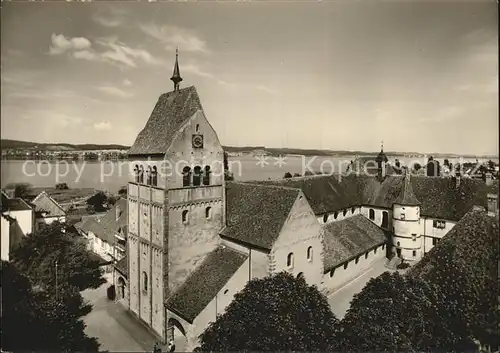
{"x":194,"y":240}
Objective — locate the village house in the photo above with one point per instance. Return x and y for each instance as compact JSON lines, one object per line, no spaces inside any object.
{"x":47,"y":210}
{"x":17,"y":221}
{"x":195,"y":240}
{"x":106,"y":236}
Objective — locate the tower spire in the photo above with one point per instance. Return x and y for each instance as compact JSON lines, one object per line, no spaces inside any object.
{"x":382,"y":146}
{"x":176,"y":77}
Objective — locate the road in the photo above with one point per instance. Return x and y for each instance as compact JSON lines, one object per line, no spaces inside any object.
{"x":114,"y":327}
{"x":340,"y":299}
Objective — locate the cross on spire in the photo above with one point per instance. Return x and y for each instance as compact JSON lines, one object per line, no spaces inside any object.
{"x":176,"y":77}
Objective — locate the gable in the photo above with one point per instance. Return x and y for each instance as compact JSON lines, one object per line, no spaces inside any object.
{"x":45,"y":204}
{"x":172,"y":110}
{"x":300,"y":226}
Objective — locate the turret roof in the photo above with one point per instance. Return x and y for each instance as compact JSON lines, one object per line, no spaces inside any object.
{"x":407,"y":196}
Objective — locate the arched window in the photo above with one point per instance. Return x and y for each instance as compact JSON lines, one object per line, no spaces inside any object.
{"x":186,"y":176}
{"x":289,"y":260}
{"x":149,"y":176}
{"x":309,"y":253}
{"x":357,"y":260}
{"x":197,"y":176}
{"x":383,"y":246}
{"x":184,"y":216}
{"x":141,"y":174}
{"x":144,"y":281}
{"x":345,"y":265}
{"x":372,"y":214}
{"x":325,"y":218}
{"x":335,"y":215}
{"x":366,"y":255}
{"x":332,"y":272}
{"x":136,"y":173}
{"x":353,"y":210}
{"x":345,"y":212}
{"x":206,"y":175}
{"x":208,"y":212}
{"x":154,"y":176}
{"x":197,"y":127}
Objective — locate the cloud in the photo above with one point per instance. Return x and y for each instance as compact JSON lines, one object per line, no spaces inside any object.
{"x":266,"y":89}
{"x":61,"y":44}
{"x":195,"y":70}
{"x":103,"y":125}
{"x":127,"y":83}
{"x":444,"y":114}
{"x":117,"y":53}
{"x":114,"y":91}
{"x":110,"y":17}
{"x":173,"y":37}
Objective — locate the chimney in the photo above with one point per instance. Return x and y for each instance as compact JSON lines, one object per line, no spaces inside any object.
{"x":492,"y":204}
{"x":118,"y":212}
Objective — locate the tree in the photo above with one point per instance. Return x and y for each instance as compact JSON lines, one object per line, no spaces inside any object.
{"x":122,"y":192}
{"x":62,"y":186}
{"x":226,"y":163}
{"x":287,"y":175}
{"x":446,"y":163}
{"x":276,"y":313}
{"x":40,"y":321}
{"x":417,"y":166}
{"x":399,"y":313}
{"x":308,"y":173}
{"x":111,"y":200}
{"x":37,"y":255}
{"x":296,"y":175}
{"x":20,"y":189}
{"x":97,"y":201}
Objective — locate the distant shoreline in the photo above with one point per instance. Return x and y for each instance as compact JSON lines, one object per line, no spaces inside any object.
{"x":18,"y":150}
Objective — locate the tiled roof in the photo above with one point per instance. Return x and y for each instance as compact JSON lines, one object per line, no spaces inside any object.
{"x":122,"y":266}
{"x":205,"y":282}
{"x":475,"y":228}
{"x":325,"y":193}
{"x":107,"y":226}
{"x":99,"y":231}
{"x":406,"y":195}
{"x":256,"y":213}
{"x":44,"y":203}
{"x":16,"y":204}
{"x":349,"y":238}
{"x":172,"y":110}
{"x":109,"y":220}
{"x":439,"y":197}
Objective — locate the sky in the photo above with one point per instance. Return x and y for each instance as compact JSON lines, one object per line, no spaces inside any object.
{"x":345,"y":75}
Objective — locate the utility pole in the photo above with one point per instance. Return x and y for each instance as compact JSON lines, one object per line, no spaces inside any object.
{"x":56,"y":283}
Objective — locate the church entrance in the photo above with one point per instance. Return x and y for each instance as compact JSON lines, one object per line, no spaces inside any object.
{"x":121,"y":288}
{"x":177,"y":333}
{"x":398,"y":252}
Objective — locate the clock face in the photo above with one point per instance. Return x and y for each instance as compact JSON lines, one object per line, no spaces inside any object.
{"x":197,"y":141}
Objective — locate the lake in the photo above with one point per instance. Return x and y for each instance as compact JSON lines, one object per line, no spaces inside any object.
{"x":111,"y":175}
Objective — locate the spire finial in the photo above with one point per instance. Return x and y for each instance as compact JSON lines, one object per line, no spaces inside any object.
{"x":382,"y":146}
{"x":176,"y":77}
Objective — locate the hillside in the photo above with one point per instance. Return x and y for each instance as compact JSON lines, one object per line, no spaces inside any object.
{"x":25,"y":145}
{"x":15,"y":144}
